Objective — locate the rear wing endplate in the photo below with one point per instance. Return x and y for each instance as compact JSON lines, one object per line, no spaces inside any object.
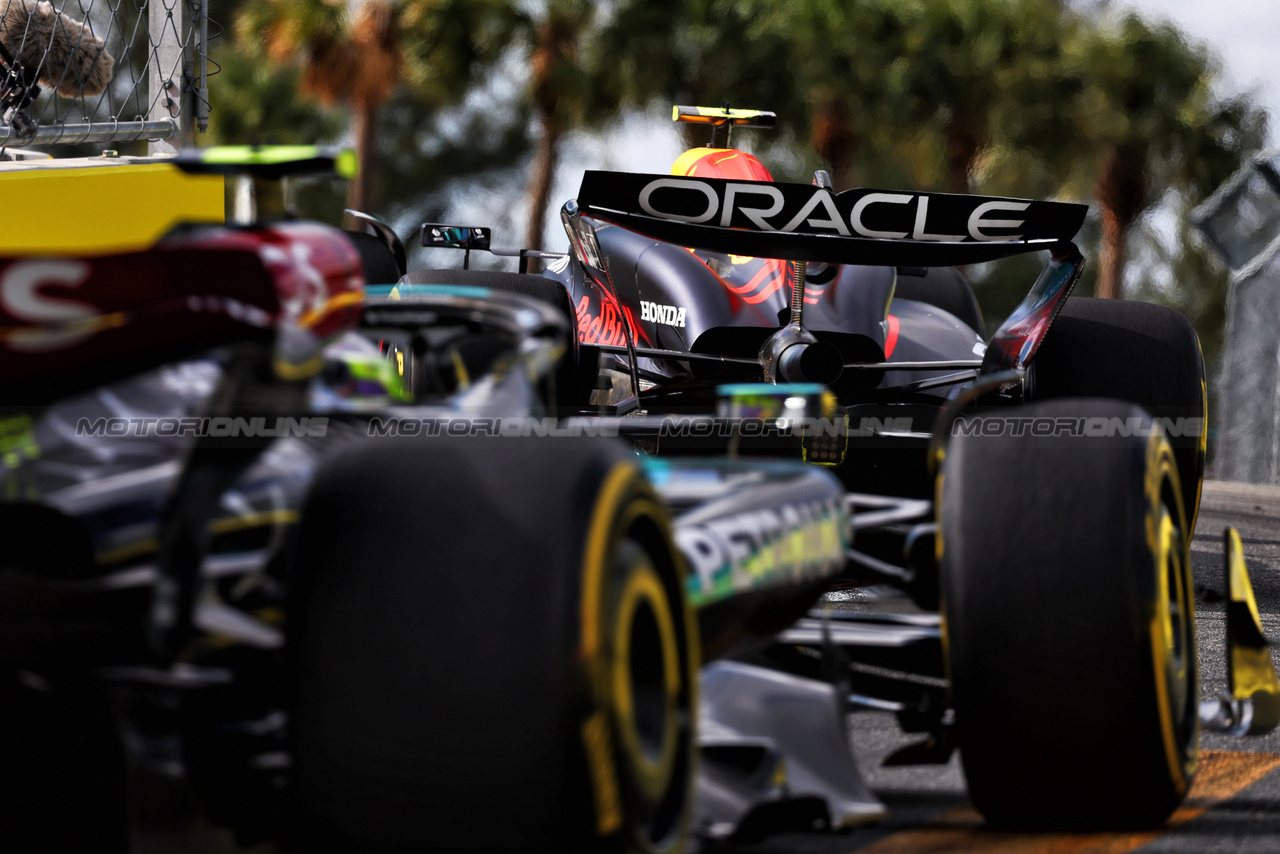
{"x":799,"y":222}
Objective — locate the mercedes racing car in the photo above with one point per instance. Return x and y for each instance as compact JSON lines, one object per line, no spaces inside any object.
{"x":367,"y":556}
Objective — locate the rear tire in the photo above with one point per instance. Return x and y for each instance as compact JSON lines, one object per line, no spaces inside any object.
{"x":1069,"y":623}
{"x":945,"y":288}
{"x":565,"y":393}
{"x":530,"y":688}
{"x":1139,"y":352}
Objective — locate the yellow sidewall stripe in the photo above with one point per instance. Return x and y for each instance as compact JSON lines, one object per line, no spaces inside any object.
{"x":596,"y":734}
{"x":644,"y":585}
{"x":1161,"y":468}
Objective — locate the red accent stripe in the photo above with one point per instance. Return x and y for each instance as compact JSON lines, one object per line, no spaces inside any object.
{"x":891,"y":336}
{"x":765,"y":270}
{"x":772,"y":288}
{"x":637,"y":333}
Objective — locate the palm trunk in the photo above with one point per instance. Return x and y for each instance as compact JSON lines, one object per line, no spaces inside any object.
{"x":542,"y":173}
{"x":963,"y":145}
{"x":1115,"y":235}
{"x":835,"y":138}
{"x":1122,"y":195}
{"x":365,"y":126}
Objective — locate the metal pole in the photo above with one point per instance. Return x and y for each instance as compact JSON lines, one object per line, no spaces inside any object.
{"x":202,"y":92}
{"x":106,"y":131}
{"x":169,"y":30}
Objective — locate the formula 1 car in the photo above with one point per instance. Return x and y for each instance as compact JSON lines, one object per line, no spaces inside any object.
{"x":1077,"y":451}
{"x":290,"y":521}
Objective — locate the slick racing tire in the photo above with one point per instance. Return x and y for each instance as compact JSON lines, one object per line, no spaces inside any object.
{"x":1139,"y":352}
{"x":566,"y":390}
{"x":945,"y":288}
{"x":1069,"y":621}
{"x":504,"y":659}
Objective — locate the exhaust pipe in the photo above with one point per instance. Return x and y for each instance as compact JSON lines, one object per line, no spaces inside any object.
{"x":792,"y":354}
{"x":815,"y":362}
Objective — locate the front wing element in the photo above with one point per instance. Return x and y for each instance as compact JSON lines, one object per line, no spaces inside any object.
{"x":1251,"y":705}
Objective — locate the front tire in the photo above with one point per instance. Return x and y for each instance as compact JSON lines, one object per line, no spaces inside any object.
{"x":1069,"y":621}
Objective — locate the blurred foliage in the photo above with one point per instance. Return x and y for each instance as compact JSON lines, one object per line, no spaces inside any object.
{"x":258,"y":103}
{"x":1030,"y":98}
{"x":359,"y":54}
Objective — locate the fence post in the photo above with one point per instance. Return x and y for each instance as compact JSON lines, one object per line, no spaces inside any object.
{"x":1242,"y":221}
{"x":169,"y":71}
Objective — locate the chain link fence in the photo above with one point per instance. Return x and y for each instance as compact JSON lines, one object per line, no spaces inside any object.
{"x":74,"y":71}
{"x":1242,"y":222}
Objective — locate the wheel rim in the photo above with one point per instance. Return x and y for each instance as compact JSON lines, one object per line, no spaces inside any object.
{"x":1173,"y":622}
{"x":652,"y":704}
{"x":646,"y":677}
{"x":1174,"y":628}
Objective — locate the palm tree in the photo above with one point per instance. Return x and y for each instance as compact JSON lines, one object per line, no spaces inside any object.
{"x":588,"y":60}
{"x":560,"y":89}
{"x":837,"y":50}
{"x":257,"y":103}
{"x":359,"y":59}
{"x":893,"y":91}
{"x":1148,"y":108}
{"x":969,"y":71}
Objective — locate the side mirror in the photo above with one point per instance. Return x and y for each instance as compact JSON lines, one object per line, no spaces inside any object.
{"x":463,"y":237}
{"x":454,"y":236}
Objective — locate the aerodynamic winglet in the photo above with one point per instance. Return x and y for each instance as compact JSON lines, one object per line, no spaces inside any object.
{"x":1251,"y":706}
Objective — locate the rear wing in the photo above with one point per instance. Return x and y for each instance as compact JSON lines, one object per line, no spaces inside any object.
{"x":799,"y":222}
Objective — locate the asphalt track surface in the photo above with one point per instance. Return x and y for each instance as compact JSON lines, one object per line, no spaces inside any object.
{"x":1233,"y":806}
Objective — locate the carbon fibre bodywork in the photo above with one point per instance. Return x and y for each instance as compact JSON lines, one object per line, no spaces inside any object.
{"x":715,"y":303}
